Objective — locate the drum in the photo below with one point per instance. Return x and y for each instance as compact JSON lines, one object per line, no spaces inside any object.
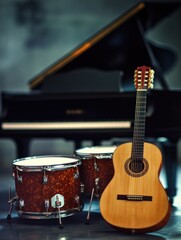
{"x":47,"y":186}
{"x":96,"y":168}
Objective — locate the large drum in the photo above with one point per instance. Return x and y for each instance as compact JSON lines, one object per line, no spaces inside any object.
{"x":47,"y":186}
{"x":96,"y":168}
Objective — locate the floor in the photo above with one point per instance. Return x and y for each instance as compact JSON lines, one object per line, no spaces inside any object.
{"x":77,"y":226}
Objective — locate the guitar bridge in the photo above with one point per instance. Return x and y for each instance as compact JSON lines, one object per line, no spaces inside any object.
{"x":134,"y":197}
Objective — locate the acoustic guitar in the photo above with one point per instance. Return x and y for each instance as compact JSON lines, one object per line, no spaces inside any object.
{"x":135,"y":201}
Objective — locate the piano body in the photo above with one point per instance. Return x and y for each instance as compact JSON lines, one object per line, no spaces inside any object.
{"x":61,"y":104}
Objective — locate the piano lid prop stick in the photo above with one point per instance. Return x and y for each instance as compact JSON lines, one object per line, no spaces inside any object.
{"x":90,"y":204}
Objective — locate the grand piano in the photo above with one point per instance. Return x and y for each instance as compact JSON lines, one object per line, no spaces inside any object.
{"x":88,"y":94}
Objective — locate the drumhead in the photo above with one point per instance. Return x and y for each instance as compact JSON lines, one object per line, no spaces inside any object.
{"x":40,"y":161}
{"x":96,"y":150}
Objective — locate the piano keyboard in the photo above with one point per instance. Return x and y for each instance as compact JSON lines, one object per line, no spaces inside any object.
{"x":65,"y":125}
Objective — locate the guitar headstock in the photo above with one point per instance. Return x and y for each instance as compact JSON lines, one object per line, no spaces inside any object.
{"x":143,"y":77}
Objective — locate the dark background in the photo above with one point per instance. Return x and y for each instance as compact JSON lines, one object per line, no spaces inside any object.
{"x":34,"y":34}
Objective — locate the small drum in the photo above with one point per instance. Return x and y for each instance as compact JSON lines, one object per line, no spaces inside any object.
{"x":47,"y":186}
{"x":96,"y":168}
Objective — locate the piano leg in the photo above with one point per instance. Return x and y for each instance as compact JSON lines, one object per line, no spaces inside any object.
{"x":79,"y":144}
{"x":170,"y":161}
{"x":22,"y":147}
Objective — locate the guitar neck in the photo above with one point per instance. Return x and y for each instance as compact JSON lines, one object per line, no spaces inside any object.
{"x":139,"y":124}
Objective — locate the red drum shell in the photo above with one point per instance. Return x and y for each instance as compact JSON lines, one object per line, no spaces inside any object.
{"x":62,"y":174}
{"x":96,"y":168}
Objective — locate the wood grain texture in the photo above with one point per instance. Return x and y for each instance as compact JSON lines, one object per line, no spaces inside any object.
{"x":136,"y":216}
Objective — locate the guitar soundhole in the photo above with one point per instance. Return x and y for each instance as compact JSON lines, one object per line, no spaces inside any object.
{"x":136,"y":168}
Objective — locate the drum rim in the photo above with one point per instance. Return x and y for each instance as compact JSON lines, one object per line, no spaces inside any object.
{"x":98,"y":154}
{"x":50,"y":215}
{"x":48,"y":167}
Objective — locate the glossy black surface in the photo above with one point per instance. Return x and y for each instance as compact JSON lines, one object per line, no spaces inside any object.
{"x":113,"y":47}
{"x":93,"y":107}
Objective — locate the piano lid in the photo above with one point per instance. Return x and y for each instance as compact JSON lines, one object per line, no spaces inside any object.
{"x":120,"y":45}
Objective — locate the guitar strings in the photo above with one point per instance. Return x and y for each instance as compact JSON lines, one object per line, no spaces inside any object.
{"x":137,"y":164}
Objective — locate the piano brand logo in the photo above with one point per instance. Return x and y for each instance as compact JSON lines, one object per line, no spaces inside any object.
{"x":74,"y":111}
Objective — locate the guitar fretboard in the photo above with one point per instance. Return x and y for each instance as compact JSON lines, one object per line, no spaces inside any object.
{"x":139,"y":125}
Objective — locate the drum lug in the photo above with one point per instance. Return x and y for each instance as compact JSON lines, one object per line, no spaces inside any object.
{"x":77,"y":198}
{"x":97,"y":188}
{"x":76,"y":174}
{"x":97,"y":182}
{"x":45,"y":178}
{"x":47,"y":204}
{"x":82,"y":188}
{"x":96,"y":168}
{"x":19,"y":178}
{"x":21,"y":203}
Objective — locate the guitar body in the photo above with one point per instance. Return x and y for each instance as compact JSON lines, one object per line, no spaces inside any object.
{"x":135,"y":200}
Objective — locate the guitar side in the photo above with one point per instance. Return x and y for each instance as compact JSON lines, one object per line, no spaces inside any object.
{"x":136,"y":202}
